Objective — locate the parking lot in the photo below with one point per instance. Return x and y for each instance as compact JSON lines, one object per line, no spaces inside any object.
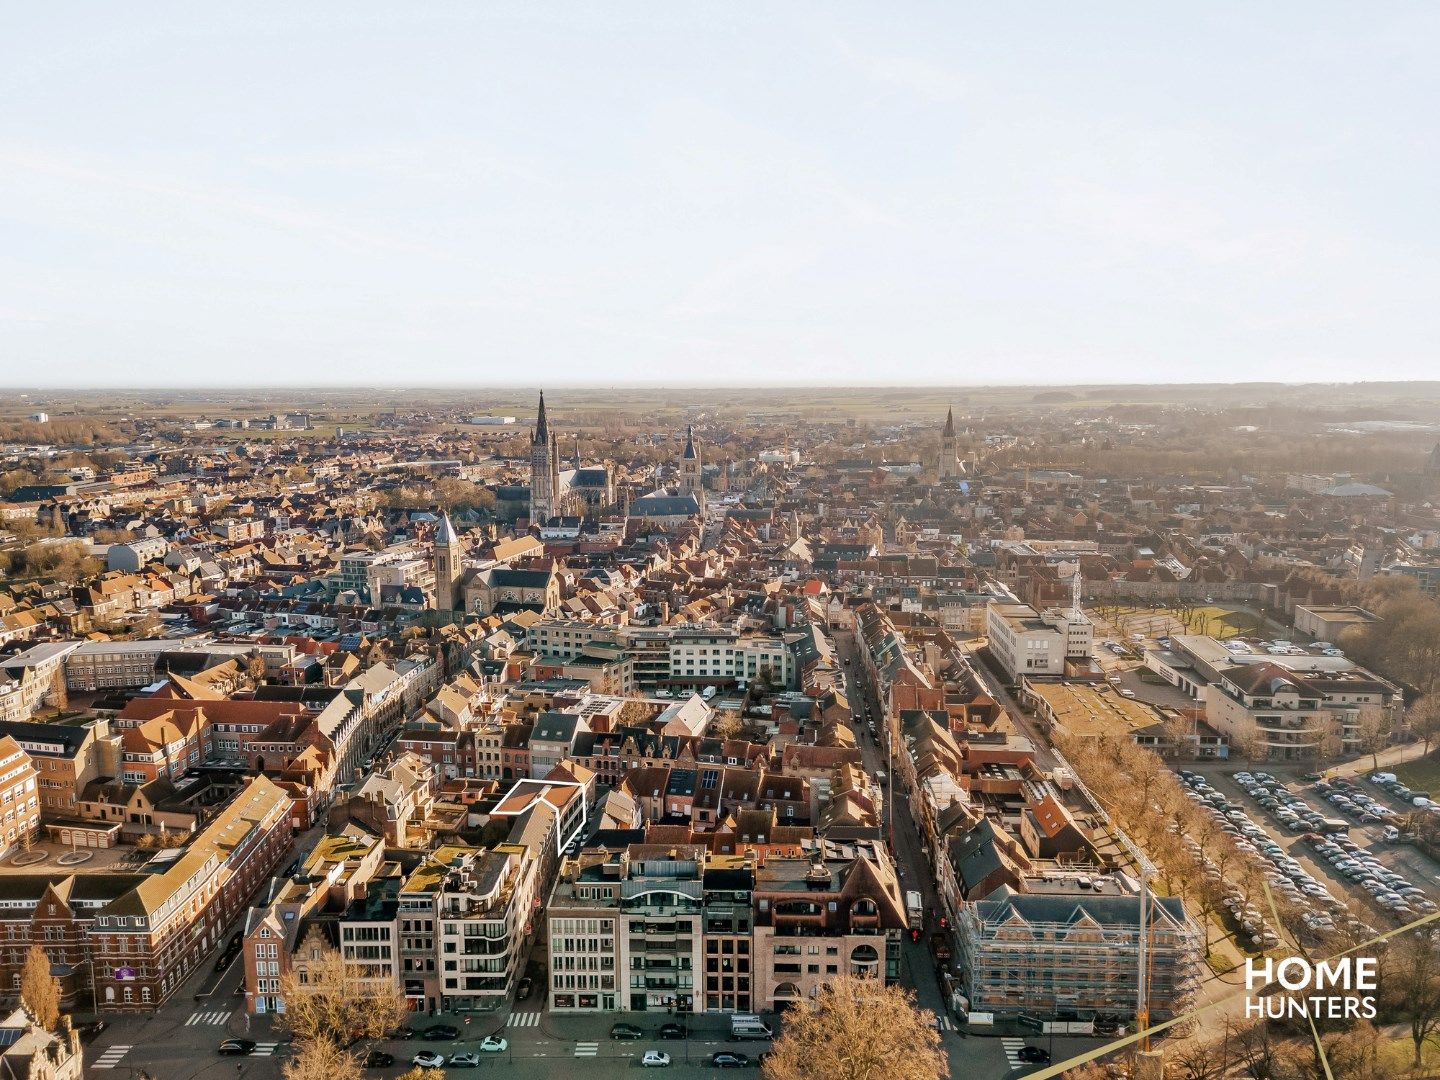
{"x":1327,"y":848}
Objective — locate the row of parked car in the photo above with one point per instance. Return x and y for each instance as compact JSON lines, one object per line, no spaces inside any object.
{"x":1246,"y":837}
{"x":1347,"y":797}
{"x":1287,"y":807}
{"x":1391,"y":783}
{"x":1389,"y":890}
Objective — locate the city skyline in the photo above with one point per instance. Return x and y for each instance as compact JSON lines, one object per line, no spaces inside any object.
{"x":707,"y":197}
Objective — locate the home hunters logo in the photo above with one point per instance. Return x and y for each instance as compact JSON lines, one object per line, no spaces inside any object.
{"x":1339,"y":989}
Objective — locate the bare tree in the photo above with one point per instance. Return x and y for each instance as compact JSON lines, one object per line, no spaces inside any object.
{"x":321,"y":1059}
{"x":1412,"y":983}
{"x":1373,"y":733}
{"x":329,"y":997}
{"x":39,"y":992}
{"x":1424,"y":719}
{"x":857,"y":1029}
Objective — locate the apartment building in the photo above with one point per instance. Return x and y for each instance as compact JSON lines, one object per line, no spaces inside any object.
{"x":728,"y":884}
{"x":1279,"y":702}
{"x":486,"y":906}
{"x":136,"y":937}
{"x":694,"y":655}
{"x":1071,"y":943}
{"x":32,"y":678}
{"x":1032,"y":643}
{"x":66,"y":757}
{"x":628,"y":932}
{"x":19,"y":797}
{"x":837,"y":910}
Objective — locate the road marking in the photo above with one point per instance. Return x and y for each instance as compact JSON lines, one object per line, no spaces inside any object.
{"x":587,"y":1049}
{"x":263,"y":1049}
{"x":524,"y":1019}
{"x":111,"y":1057}
{"x":1012,"y":1051}
{"x":214,"y":1017}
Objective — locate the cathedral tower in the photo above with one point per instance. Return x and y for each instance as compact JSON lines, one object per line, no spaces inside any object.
{"x":544,"y":469}
{"x":950,"y":467}
{"x":690,"y":468}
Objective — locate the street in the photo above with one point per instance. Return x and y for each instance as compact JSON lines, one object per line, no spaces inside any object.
{"x":178,"y":1042}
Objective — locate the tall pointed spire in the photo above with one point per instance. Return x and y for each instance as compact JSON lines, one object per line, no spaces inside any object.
{"x":446,"y":534}
{"x":542,"y":426}
{"x":689,"y":441}
{"x":949,"y":422}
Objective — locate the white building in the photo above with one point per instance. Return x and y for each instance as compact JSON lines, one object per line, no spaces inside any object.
{"x":1032,"y":643}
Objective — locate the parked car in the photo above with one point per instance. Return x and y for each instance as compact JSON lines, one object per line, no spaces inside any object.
{"x":523,"y":988}
{"x":493,"y":1044}
{"x":378,"y":1059}
{"x":440,"y":1033}
{"x":728,"y":1059}
{"x":464,"y":1060}
{"x":655,"y":1059}
{"x":673,"y":1031}
{"x":1034,"y":1055}
{"x":625,"y":1031}
{"x":401,"y":1033}
{"x":235,"y":1047}
{"x":428,"y":1059}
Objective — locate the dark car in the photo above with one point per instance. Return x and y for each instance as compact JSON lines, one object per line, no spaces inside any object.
{"x":1034,"y":1055}
{"x":726,"y":1059}
{"x":440,"y":1032}
{"x":523,"y":988}
{"x":238,"y":1047}
{"x":674,"y":1031}
{"x":92,"y":1029}
{"x":401,"y":1033}
{"x":625,"y":1031}
{"x":378,"y":1059}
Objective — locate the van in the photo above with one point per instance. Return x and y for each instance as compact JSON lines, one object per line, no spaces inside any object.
{"x":748,"y":1026}
{"x":1390,"y":834}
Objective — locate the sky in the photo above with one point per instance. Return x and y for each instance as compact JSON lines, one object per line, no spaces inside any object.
{"x":679,"y":193}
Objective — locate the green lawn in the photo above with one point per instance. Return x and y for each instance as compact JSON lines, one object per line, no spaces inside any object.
{"x":1422,"y":774}
{"x":1208,"y":619}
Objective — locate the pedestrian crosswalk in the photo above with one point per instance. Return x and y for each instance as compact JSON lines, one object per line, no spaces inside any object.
{"x":263,"y":1049}
{"x":217,"y":1017}
{"x":1012,"y":1051}
{"x":523,"y":1019}
{"x":948,"y":1024}
{"x":587,"y":1049}
{"x":111,"y":1057}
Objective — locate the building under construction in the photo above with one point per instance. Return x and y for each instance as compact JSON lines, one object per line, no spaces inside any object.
{"x":1072,"y":944}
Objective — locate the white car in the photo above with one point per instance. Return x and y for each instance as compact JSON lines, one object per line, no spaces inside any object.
{"x":428,"y":1059}
{"x":493,"y":1044}
{"x":655,"y":1059}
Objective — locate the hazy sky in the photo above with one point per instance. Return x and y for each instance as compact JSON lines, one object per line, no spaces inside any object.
{"x":679,"y":192}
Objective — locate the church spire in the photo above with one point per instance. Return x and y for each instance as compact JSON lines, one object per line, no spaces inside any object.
{"x":542,"y":426}
{"x":949,"y":431}
{"x":689,"y":441}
